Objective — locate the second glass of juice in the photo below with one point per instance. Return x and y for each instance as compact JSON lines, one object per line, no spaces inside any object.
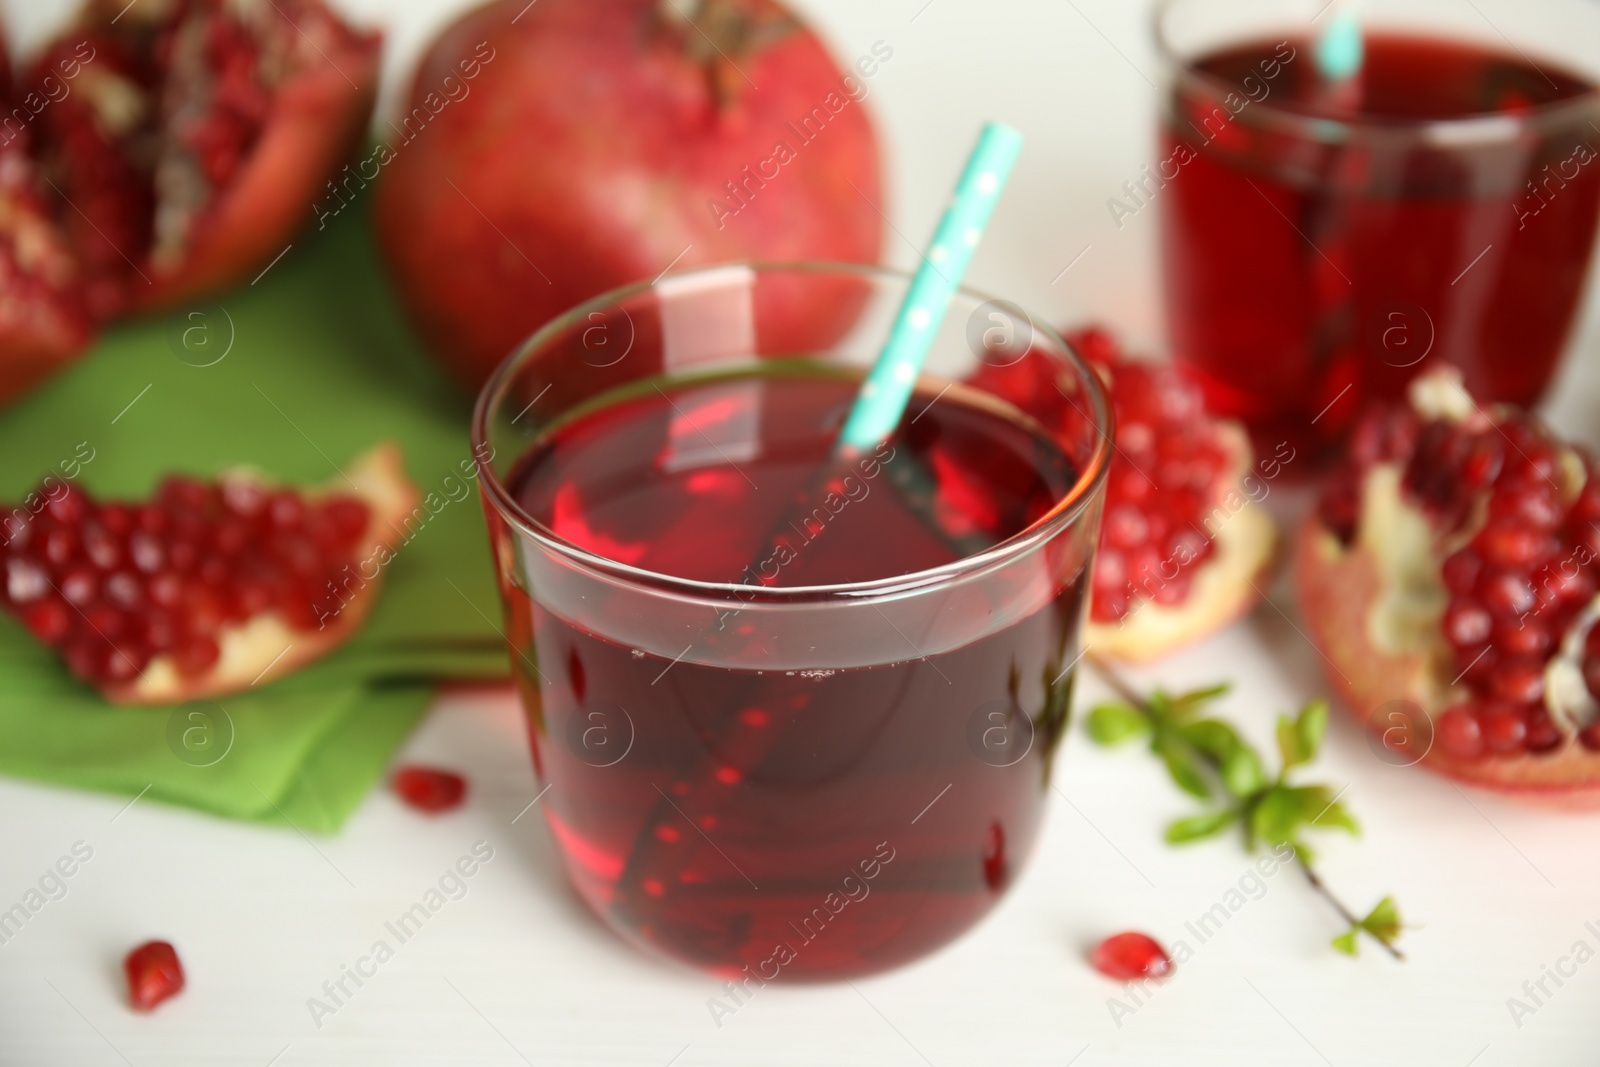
{"x":796,"y":713}
{"x":1327,"y":237}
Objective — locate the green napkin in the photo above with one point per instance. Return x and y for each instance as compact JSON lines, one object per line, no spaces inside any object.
{"x":318,"y":366}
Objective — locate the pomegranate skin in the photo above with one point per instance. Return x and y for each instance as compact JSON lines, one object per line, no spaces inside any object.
{"x":594,"y":147}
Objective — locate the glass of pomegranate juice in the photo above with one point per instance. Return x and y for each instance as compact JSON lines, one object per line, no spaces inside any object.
{"x":1336,"y":219}
{"x":795,"y":713}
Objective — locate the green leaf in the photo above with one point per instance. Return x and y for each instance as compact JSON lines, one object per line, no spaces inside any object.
{"x":1311,"y":726}
{"x":1182,"y":765}
{"x":1336,"y":816}
{"x":1196,"y":697}
{"x":1159,"y":705}
{"x":1242,"y":772}
{"x":1346,"y":942}
{"x":1201,"y":826}
{"x":1383,"y":921}
{"x":1318,"y":806}
{"x":1276,"y":816}
{"x":1289,"y":748}
{"x":1112,"y":724}
{"x":1213,"y":737}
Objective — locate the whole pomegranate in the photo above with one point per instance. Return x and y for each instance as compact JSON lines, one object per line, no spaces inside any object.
{"x":554,"y":151}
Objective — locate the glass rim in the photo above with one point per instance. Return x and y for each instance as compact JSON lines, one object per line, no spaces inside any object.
{"x":1061,"y":515}
{"x":1486,"y":127}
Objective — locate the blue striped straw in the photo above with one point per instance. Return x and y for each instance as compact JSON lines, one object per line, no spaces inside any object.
{"x":887,"y":389}
{"x":1340,"y":50}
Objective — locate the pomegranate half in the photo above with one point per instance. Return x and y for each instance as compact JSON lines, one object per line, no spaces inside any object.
{"x":1185,"y":541}
{"x":208,"y":588}
{"x":1449,"y":579}
{"x":194,"y":137}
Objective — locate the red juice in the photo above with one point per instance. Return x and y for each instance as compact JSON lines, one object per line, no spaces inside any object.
{"x":1312,"y":265}
{"x":813,"y":821}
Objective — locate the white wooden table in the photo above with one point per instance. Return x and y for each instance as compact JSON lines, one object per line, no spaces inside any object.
{"x":516,"y":971}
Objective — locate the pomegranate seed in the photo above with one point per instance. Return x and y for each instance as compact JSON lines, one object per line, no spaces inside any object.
{"x":1535,"y":506}
{"x":124,"y":590}
{"x":1466,"y":624}
{"x":1589,"y":736}
{"x":48,"y":619}
{"x":1125,"y":527}
{"x":1483,"y":460}
{"x":1129,"y":956}
{"x":145,"y":551}
{"x":101,"y":546}
{"x":26,"y":581}
{"x":158,"y":630}
{"x":430,"y":789}
{"x":1461,"y":570}
{"x":154,"y":974}
{"x":196,"y":655}
{"x":1505,"y":729}
{"x":286,"y":511}
{"x":1512,"y":547}
{"x":243,"y":497}
{"x":1543,"y":735}
{"x":104,"y":620}
{"x":79,"y":585}
{"x":1528,"y":639}
{"x":1174,"y":591}
{"x":68,"y":507}
{"x":1506,"y":594}
{"x":58,"y":545}
{"x":1458,"y":733}
{"x":1518,"y":681}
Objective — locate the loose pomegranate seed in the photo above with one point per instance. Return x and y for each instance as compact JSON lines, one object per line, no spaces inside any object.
{"x":1458,"y":734}
{"x":430,"y":789}
{"x":1128,"y":956}
{"x":154,"y":974}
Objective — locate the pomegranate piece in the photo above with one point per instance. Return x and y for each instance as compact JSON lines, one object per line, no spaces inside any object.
{"x":194,"y":137}
{"x":44,"y":320}
{"x":1183,"y":541}
{"x":154,"y":974}
{"x":1454,"y":565}
{"x":429,"y":788}
{"x":704,"y":168}
{"x":201,"y":590}
{"x":1129,"y":956}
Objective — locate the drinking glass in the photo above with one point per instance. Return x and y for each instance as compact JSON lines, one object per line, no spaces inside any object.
{"x":1326,"y":239}
{"x":760,"y":780}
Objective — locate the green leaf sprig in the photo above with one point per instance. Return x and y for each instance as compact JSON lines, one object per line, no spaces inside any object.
{"x":1208,"y":759}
